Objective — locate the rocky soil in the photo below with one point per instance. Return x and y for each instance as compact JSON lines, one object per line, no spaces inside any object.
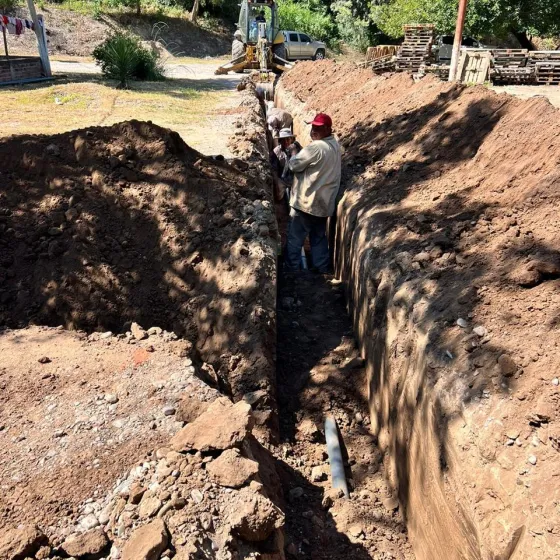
{"x":137,"y":285}
{"x":450,"y":248}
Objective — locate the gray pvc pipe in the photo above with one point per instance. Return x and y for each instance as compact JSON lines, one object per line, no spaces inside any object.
{"x":335,"y":456}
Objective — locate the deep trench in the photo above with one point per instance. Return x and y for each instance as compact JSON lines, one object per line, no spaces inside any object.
{"x":320,"y":372}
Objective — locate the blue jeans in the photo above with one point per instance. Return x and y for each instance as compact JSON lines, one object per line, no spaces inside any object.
{"x":301,"y":226}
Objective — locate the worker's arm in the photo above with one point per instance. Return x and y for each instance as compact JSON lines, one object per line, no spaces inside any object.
{"x":304,"y":159}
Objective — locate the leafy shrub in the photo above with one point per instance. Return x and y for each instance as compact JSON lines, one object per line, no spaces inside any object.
{"x":307,"y":18}
{"x":123,"y":58}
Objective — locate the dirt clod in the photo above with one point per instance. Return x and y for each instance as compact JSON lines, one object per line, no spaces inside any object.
{"x":147,"y":542}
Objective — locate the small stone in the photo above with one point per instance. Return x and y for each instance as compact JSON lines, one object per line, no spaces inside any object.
{"x":555,"y":382}
{"x":359,"y":418}
{"x":462,"y":323}
{"x":197,"y":496}
{"x":52,"y":150}
{"x":22,"y":542}
{"x":507,"y":366}
{"x":149,"y":506}
{"x":59,"y":433}
{"x":532,"y":460}
{"x":480,"y":331}
{"x":319,"y":473}
{"x":71,"y":214}
{"x":44,"y":360}
{"x":391,"y":504}
{"x":154,"y":331}
{"x":356,"y":530}
{"x":147,"y":542}
{"x":138,"y":332}
{"x":169,"y":410}
{"x":421,"y":257}
{"x":105,"y":335}
{"x":232,"y":470}
{"x":296,"y":493}
{"x":89,"y":522}
{"x":111,"y":399}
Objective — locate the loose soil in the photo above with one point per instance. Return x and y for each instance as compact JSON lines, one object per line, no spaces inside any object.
{"x":106,"y":226}
{"x":69,"y":425}
{"x":449,"y":243}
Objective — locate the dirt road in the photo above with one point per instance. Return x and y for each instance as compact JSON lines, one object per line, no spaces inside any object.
{"x":193,"y":102}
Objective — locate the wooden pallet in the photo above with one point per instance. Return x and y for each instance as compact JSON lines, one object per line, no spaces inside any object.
{"x":509,"y":58}
{"x":548,"y":72}
{"x":505,"y":76}
{"x":416,"y":47}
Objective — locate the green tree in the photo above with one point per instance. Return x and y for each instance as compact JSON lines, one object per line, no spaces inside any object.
{"x":311,"y":18}
{"x":351,"y":27}
{"x":484,"y":17}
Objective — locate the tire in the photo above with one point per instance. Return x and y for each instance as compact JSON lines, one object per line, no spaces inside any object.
{"x":319,"y":55}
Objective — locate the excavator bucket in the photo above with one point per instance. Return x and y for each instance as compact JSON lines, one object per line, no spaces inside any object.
{"x":233,"y":66}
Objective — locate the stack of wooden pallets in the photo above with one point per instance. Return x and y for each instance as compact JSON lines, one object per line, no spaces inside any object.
{"x":416,"y":48}
{"x":548,"y":72}
{"x":545,"y":65}
{"x":513,"y":75}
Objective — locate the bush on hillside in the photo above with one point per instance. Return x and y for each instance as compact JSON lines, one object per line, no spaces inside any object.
{"x":123,"y":58}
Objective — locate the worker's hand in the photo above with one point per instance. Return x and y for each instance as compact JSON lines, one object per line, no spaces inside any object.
{"x":293,"y":149}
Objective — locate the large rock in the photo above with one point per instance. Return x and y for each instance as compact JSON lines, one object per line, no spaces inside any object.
{"x":147,"y":542}
{"x":86,"y":545}
{"x":253,"y":516}
{"x":223,"y":426}
{"x":20,"y":543}
{"x":231,"y":469}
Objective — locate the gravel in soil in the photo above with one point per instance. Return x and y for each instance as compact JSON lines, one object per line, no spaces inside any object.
{"x":320,"y":372}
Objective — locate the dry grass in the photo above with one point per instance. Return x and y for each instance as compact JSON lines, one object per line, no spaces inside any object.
{"x":50,"y":109}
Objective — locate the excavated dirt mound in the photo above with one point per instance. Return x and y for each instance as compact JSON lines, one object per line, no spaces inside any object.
{"x":450,"y":246}
{"x":106,"y":226}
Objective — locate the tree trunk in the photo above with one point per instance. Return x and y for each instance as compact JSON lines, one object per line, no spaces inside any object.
{"x":194,"y":13}
{"x":524,"y":41}
{"x":138,"y":7}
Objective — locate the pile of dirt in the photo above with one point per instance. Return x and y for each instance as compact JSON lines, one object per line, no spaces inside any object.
{"x":450,"y":247}
{"x":108,"y":226}
{"x":75,"y":34}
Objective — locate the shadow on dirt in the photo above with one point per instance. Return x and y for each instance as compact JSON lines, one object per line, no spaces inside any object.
{"x":104,"y":227}
{"x":408,"y":284}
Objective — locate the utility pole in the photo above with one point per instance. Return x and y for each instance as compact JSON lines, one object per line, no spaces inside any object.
{"x":458,"y":40}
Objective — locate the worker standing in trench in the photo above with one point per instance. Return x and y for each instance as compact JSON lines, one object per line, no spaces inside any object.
{"x":317,"y":171}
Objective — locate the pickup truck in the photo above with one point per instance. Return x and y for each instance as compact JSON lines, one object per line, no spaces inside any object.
{"x":300,"y":46}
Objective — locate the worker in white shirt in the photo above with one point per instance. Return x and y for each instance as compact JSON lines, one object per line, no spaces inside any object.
{"x":317,"y":171}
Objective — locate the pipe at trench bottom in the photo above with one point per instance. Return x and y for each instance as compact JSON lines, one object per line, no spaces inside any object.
{"x":335,"y":456}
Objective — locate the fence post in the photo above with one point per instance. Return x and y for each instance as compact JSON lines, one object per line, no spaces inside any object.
{"x":41,"y":34}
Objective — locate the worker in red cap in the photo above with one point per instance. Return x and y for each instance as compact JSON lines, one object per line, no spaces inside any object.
{"x":317,"y":170}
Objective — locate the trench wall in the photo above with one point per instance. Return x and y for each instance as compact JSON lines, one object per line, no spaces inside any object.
{"x":438,"y":221}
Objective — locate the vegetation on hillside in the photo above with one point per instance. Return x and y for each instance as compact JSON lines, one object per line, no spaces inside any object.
{"x":360,"y":23}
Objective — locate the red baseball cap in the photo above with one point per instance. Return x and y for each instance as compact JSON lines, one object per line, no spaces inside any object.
{"x":321,"y":119}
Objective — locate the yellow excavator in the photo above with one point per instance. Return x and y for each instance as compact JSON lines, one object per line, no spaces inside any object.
{"x":264,"y":48}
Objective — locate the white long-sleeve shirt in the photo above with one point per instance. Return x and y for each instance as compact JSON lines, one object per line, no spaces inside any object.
{"x":317,"y":170}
